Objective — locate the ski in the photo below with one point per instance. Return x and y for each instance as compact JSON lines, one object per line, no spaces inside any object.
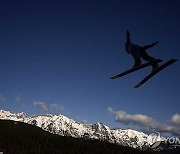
{"x":136,"y":68}
{"x":160,"y":68}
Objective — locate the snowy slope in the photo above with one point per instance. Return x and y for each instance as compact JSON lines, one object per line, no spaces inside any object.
{"x":62,"y":125}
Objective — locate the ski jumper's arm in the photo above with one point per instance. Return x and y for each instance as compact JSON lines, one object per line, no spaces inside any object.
{"x":128,"y":40}
{"x":150,"y":45}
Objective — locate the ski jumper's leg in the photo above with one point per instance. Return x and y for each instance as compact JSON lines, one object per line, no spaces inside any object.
{"x":146,"y":57}
{"x":137,"y":59}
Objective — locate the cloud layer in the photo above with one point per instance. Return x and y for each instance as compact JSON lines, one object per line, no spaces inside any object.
{"x":41,"y":105}
{"x":175,"y":119}
{"x":52,"y":107}
{"x":145,"y":122}
{"x":18,"y":97}
{"x":2,"y":98}
{"x":56,"y":106}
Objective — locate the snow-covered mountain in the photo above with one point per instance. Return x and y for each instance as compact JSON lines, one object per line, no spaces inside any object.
{"x":62,"y":125}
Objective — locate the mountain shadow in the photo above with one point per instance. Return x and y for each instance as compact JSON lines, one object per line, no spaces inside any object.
{"x":22,"y":138}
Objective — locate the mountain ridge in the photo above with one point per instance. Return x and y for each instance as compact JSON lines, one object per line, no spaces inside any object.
{"x":64,"y":126}
{"x":23,"y":138}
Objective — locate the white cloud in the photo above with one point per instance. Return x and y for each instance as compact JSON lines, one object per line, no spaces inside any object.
{"x":56,"y":106}
{"x":2,"y":98}
{"x":144,"y":121}
{"x":18,"y":97}
{"x":110,"y":110}
{"x":84,"y":122}
{"x":175,"y":119}
{"x":41,"y":105}
{"x":122,"y":116}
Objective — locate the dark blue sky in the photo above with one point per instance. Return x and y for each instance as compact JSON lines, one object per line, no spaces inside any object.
{"x":64,"y":52}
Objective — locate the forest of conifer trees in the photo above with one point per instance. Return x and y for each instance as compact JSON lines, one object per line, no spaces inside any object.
{"x":21,"y":138}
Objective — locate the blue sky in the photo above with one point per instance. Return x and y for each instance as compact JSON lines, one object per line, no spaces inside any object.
{"x":64,"y":52}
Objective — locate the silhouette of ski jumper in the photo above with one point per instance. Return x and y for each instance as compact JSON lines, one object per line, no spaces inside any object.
{"x":139,"y":52}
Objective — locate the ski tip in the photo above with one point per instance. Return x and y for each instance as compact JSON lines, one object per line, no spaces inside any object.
{"x":174,"y":60}
{"x":138,"y":85}
{"x":113,"y":77}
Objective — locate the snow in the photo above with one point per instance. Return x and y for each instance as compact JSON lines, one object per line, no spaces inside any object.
{"x":62,"y":125}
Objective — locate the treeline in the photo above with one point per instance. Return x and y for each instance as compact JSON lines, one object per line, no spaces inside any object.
{"x":21,"y":138}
